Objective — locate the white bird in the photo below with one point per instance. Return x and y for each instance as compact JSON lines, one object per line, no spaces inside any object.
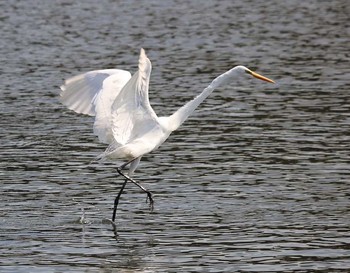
{"x":124,"y":118}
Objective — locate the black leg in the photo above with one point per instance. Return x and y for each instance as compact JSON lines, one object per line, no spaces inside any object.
{"x":116,"y":201}
{"x":149,"y":194}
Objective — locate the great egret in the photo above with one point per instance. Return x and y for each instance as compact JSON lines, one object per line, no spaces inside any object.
{"x":124,"y":118}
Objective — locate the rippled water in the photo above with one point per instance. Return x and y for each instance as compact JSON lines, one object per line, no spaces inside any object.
{"x":256,"y":181}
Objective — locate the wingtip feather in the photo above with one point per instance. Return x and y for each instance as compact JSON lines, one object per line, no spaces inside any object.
{"x":144,"y":63}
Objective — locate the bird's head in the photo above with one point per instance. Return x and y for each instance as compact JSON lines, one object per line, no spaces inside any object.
{"x":237,"y":71}
{"x":244,"y":70}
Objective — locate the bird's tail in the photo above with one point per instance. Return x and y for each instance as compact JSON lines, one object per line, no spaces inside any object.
{"x":97,"y":159}
{"x":105,"y":155}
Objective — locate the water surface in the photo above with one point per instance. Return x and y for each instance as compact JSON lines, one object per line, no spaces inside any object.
{"x":257,"y":180}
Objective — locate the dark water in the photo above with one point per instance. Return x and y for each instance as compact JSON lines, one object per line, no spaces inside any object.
{"x":257,"y":180}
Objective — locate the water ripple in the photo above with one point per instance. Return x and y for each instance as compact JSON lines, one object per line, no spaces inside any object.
{"x":257,"y":180}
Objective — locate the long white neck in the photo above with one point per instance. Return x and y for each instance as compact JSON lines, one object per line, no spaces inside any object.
{"x":175,"y":120}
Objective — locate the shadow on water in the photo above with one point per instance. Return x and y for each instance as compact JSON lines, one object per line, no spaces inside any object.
{"x":256,"y":181}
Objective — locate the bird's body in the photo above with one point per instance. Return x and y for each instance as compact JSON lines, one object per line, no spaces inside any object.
{"x":124,"y":118}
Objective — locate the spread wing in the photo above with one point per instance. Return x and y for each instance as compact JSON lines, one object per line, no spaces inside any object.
{"x":132,"y":114}
{"x":93,"y":93}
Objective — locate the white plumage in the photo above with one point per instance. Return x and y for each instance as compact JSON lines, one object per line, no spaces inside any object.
{"x":124,"y":118}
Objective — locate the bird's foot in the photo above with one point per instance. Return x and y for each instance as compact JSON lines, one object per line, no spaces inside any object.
{"x":150,"y":198}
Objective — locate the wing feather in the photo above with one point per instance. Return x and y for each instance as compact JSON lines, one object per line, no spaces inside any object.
{"x":132,"y":114}
{"x":79,"y":92}
{"x":93,"y":93}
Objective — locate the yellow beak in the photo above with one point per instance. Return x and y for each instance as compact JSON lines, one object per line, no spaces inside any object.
{"x":260,"y":77}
